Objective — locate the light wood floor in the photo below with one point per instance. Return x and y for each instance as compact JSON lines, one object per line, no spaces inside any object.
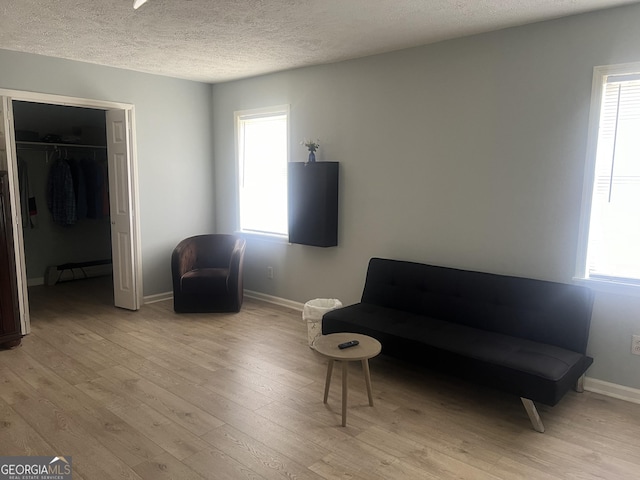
{"x":156,"y":395}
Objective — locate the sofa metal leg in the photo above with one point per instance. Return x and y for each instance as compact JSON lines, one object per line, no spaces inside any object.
{"x":532,"y":411}
{"x":579,"y":387}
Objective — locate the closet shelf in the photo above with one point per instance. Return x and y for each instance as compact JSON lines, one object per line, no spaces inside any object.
{"x":58,"y":145}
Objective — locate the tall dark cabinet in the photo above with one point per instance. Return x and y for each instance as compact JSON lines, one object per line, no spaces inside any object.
{"x":313,"y":203}
{"x":10,"y":335}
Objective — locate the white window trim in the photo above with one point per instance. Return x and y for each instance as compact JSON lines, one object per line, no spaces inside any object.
{"x":268,"y":237}
{"x":581,"y":274}
{"x":256,"y":113}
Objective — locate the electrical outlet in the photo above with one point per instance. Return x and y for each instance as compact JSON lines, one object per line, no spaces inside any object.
{"x":269,"y":272}
{"x":635,"y":344}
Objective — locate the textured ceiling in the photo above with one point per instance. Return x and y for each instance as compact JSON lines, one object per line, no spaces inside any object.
{"x":219,"y":40}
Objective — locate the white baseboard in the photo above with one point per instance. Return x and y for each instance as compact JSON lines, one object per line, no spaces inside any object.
{"x":52,"y":275}
{"x":34,"y":282}
{"x":283,"y":302}
{"x":158,"y":297}
{"x":612,"y":390}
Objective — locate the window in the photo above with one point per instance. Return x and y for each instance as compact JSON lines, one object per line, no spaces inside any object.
{"x":610,"y":250}
{"x":262,"y":153}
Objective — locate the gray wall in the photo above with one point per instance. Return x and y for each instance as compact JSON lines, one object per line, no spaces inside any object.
{"x":174,"y":144}
{"x":468,"y":153}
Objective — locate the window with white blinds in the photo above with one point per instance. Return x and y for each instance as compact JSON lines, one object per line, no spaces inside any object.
{"x":262,"y":155}
{"x":613,"y":241}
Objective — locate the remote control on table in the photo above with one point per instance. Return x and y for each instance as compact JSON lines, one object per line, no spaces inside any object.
{"x":351,"y":343}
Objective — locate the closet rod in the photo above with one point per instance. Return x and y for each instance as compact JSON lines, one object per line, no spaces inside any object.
{"x":53,"y":148}
{"x":47,"y":145}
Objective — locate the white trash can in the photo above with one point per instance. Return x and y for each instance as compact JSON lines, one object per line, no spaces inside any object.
{"x":312,"y":313}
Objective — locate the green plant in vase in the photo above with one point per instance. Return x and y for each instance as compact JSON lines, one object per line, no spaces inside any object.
{"x":312,"y":146}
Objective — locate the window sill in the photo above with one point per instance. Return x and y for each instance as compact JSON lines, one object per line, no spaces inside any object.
{"x":609,"y":286}
{"x":267,"y":237}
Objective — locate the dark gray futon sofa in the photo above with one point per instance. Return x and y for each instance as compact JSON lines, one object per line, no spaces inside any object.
{"x":523,"y":336}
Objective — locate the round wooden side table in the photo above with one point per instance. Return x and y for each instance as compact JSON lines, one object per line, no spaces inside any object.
{"x":327,"y":345}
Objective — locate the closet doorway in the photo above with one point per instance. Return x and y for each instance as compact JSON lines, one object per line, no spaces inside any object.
{"x":100,"y":135}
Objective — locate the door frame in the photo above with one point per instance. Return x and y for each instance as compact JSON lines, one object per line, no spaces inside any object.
{"x":132,"y":163}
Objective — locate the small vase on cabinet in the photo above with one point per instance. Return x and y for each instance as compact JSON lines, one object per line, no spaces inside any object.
{"x":312,"y":157}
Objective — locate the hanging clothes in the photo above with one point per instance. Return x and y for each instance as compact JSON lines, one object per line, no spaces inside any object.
{"x":79,"y":188}
{"x":61,"y":198}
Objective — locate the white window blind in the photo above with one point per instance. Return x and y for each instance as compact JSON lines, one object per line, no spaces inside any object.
{"x":262,"y":170}
{"x":614,"y":227}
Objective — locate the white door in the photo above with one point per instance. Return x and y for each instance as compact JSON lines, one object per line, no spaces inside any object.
{"x":121,"y":205}
{"x":8,"y":162}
